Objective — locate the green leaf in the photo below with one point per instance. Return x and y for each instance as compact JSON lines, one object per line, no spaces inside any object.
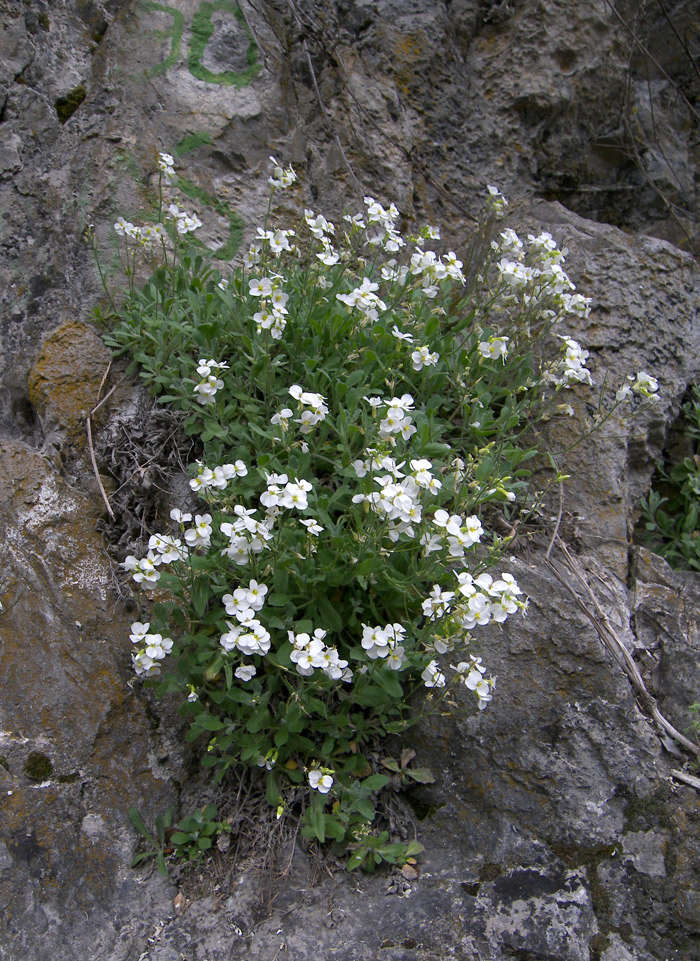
{"x":209,"y":723}
{"x":389,"y":682}
{"x":272,"y":791}
{"x":200,"y":595}
{"x":357,"y":858}
{"x":278,"y":600}
{"x":317,"y":822}
{"x":414,"y":847}
{"x":334,"y":829}
{"x":391,"y":764}
{"x":329,"y":614}
{"x":375,"y":782}
{"x":136,"y":820}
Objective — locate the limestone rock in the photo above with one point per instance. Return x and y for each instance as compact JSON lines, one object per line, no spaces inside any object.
{"x":555,"y":829}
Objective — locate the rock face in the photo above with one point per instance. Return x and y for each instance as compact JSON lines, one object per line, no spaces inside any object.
{"x":555,"y":830}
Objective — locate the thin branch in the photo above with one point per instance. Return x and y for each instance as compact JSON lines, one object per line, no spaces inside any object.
{"x":324,"y":112}
{"x":680,"y":39}
{"x":88,"y":424}
{"x":645,"y":50}
{"x":687,"y":778}
{"x":613,"y":644}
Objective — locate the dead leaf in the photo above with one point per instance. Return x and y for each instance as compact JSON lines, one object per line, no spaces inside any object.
{"x":421,"y":774}
{"x":180,"y":903}
{"x":410,"y":872}
{"x":407,"y":756}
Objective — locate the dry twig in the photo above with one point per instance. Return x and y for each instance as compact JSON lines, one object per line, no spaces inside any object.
{"x":588,"y":603}
{"x":88,"y":424}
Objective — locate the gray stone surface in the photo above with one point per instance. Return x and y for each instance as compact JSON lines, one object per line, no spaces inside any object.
{"x":554,"y":830}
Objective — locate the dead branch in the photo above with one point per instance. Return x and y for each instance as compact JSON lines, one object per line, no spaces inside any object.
{"x":588,"y":604}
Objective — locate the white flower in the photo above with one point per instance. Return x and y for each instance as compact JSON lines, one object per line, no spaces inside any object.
{"x":432,"y":676}
{"x":399,"y":336}
{"x":166,"y":165}
{"x":124,"y":227}
{"x":207,"y":388}
{"x":245,"y":672}
{"x":260,"y":287}
{"x":645,"y":384}
{"x":200,"y":534}
{"x":423,"y":358}
{"x":496,"y":201}
{"x":145,"y":573}
{"x":320,"y":782}
{"x":295,"y":494}
{"x":437,"y":603}
{"x":312,"y":526}
{"x":494,"y":347}
{"x":318,"y":225}
{"x":281,"y":177}
{"x":138,"y":632}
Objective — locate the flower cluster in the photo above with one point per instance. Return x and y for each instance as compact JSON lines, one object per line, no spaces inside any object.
{"x":145,"y":235}
{"x":166,"y":165}
{"x":471,"y":674}
{"x":383,"y":231}
{"x":643,"y":384}
{"x":398,"y":497}
{"x":184,"y":223}
{"x":282,"y":177}
{"x":217,"y":477}
{"x":245,"y":634}
{"x":210,"y":383}
{"x":423,"y":357}
{"x":475,"y":600}
{"x":534,"y":274}
{"x":273,"y":312}
{"x":313,"y":408}
{"x":310,"y":653}
{"x":573,"y":367}
{"x":154,"y":648}
{"x":247,"y":535}
{"x":385,"y":642}
{"x":322,"y":230}
{"x":432,"y":270}
{"x":494,"y":347}
{"x":365,"y":299}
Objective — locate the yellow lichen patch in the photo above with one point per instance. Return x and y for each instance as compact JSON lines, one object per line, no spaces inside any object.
{"x":408,"y":48}
{"x":65,"y":379}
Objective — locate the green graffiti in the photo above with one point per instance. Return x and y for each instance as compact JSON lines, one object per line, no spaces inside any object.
{"x":191,"y":142}
{"x":202,"y":29}
{"x":174,"y":34}
{"x":236,"y":223}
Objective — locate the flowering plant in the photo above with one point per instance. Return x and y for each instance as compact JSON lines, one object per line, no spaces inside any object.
{"x":365,"y":406}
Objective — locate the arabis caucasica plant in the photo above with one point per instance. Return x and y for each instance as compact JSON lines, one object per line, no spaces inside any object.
{"x":365,"y":407}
